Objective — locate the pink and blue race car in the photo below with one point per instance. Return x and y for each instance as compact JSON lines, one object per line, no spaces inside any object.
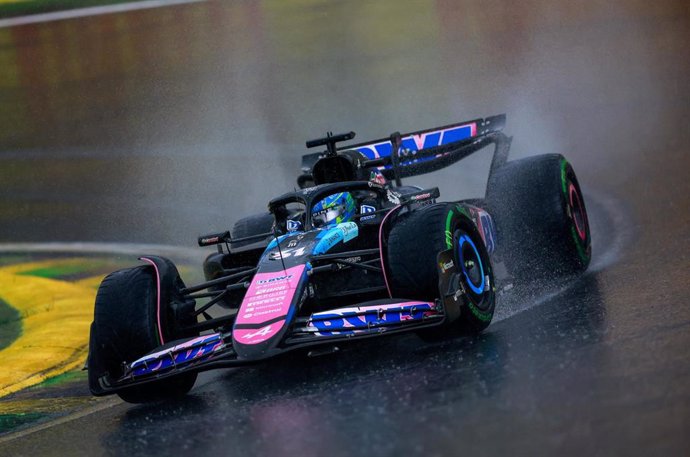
{"x":352,"y":254}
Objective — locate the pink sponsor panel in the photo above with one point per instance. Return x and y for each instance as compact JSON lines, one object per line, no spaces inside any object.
{"x":257,"y":335}
{"x":269,"y":295}
{"x":268,"y":298}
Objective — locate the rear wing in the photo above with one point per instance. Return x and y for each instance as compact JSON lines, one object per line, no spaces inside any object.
{"x":415,"y":153}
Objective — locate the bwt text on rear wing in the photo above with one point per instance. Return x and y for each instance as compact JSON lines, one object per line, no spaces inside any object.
{"x":417,"y":152}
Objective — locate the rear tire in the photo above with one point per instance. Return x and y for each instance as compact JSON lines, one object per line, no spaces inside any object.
{"x":413,"y":247}
{"x":540,"y":217}
{"x":125,"y":327}
{"x":250,"y":226}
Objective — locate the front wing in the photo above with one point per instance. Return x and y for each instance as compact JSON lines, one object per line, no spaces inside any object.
{"x":215,"y":350}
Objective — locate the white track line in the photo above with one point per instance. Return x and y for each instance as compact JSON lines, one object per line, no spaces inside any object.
{"x":184,"y":253}
{"x":100,"y":405}
{"x":90,"y":11}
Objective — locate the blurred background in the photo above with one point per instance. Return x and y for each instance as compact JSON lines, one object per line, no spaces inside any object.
{"x":157,"y":125}
{"x":160,"y":124}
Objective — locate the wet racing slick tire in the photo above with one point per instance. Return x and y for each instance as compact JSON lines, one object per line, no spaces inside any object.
{"x":125,"y":327}
{"x":413,"y":247}
{"x":540,"y":218}
{"x":220,"y":264}
{"x":251,"y":225}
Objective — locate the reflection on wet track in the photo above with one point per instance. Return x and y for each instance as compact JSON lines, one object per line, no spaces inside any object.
{"x":156,"y":126}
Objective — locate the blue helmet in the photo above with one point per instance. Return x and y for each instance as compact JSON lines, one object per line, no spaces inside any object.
{"x":333,"y":210}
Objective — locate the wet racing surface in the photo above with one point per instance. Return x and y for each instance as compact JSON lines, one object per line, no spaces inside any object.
{"x":156,"y":126}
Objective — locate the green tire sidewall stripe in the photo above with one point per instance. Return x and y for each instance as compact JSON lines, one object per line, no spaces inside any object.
{"x":564,"y":178}
{"x":449,"y":234}
{"x":459,"y":210}
{"x":580,"y":250}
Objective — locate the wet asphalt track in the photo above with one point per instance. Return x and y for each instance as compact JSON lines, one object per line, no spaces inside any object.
{"x":152,"y":127}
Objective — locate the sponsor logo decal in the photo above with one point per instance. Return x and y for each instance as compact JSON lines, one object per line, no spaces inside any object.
{"x":412,"y":143}
{"x":446,"y":266}
{"x":261,"y":332}
{"x":350,"y":230}
{"x":459,"y":293}
{"x":285,"y":253}
{"x":421,"y":196}
{"x":332,"y":237}
{"x":393,"y":197}
{"x":196,"y":349}
{"x":276,"y":279}
{"x":347,"y":320}
{"x":293,"y":226}
{"x":308,"y":190}
{"x":366,"y":209}
{"x":342,"y":232}
{"x":268,"y":298}
{"x":376,"y":177}
{"x":340,"y":266}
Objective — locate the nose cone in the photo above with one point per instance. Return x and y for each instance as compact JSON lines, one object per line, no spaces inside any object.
{"x":269,"y":304}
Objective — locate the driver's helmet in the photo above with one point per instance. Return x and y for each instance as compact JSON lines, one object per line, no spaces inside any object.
{"x":333,"y":210}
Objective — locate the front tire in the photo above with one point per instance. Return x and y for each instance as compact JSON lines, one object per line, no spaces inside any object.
{"x":413,"y":247}
{"x":126,"y":327}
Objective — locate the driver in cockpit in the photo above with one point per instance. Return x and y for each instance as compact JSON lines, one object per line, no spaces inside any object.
{"x":333,"y":210}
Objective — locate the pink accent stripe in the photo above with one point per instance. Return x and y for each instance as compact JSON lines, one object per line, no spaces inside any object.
{"x":473,"y":129}
{"x":580,"y":231}
{"x":158,"y":296}
{"x":383,"y":266}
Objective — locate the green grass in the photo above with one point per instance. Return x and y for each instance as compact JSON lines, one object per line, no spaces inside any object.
{"x":22,"y":8}
{"x":10,"y":325}
{"x":63,"y":271}
{"x":63,"y":378}
{"x":11,"y":421}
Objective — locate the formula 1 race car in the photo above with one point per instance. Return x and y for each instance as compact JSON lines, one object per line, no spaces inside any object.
{"x":352,"y":254}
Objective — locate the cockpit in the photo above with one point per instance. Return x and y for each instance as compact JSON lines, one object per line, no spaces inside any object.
{"x":328,"y":205}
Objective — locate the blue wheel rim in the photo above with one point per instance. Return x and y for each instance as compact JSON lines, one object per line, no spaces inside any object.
{"x":477,"y":289}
